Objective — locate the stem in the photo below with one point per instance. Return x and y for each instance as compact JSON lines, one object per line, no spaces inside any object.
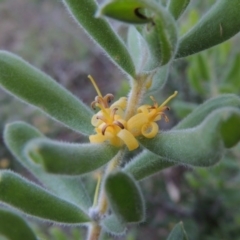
{"x":94,"y":231}
{"x":136,"y":94}
{"x":114,"y":163}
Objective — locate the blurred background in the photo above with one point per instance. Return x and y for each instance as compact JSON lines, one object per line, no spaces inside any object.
{"x":206,"y":200}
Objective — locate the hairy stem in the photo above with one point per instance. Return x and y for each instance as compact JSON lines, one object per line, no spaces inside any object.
{"x":94,"y":231}
{"x":138,"y":89}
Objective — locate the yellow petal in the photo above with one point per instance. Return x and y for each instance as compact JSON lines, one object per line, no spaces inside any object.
{"x":150,"y":130}
{"x":97,"y":138}
{"x":135,"y":123}
{"x":113,"y":139}
{"x":144,"y":109}
{"x":128,"y":139}
{"x":120,"y":103}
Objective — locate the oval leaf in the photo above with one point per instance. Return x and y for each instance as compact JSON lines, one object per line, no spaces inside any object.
{"x":35,"y":201}
{"x":125,"y":197}
{"x":68,"y":158}
{"x":16,"y":136}
{"x":202,"y":145}
{"x":101,"y":31}
{"x":219,"y":24}
{"x":34,"y":87}
{"x":10,"y":221}
{"x":130,"y":11}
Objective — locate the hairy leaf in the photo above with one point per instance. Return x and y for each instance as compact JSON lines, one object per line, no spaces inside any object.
{"x":113,"y":225}
{"x":67,"y":158}
{"x":177,"y":7}
{"x":202,"y":145}
{"x":13,"y":227}
{"x":130,"y":11}
{"x":102,"y":33}
{"x":16,"y":136}
{"x":146,"y":164}
{"x":35,"y":201}
{"x":34,"y":87}
{"x":124,"y":197}
{"x":219,"y":24}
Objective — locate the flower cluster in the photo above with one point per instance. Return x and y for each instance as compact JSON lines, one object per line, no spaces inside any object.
{"x":111,"y":126}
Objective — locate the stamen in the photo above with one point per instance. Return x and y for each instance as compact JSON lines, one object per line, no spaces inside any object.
{"x":118,"y":124}
{"x":155,"y":104}
{"x":113,"y":112}
{"x":104,"y":128}
{"x":93,"y":105}
{"x":108,"y":98}
{"x":168,"y":99}
{"x":95,"y":85}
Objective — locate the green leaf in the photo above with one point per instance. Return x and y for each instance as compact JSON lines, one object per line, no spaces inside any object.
{"x":102,"y":33}
{"x":178,"y":233}
{"x":230,"y":130}
{"x":35,"y":201}
{"x":203,"y":145}
{"x":111,"y":224}
{"x":219,"y":24}
{"x":124,"y":197}
{"x":130,"y":11}
{"x":146,"y":164}
{"x":183,"y":108}
{"x":137,"y":47}
{"x":16,"y":136}
{"x":232,"y":76}
{"x":177,"y":7}
{"x":161,"y":36}
{"x":159,"y":79}
{"x":34,"y":87}
{"x":13,"y":227}
{"x":201,"y":112}
{"x":68,"y":158}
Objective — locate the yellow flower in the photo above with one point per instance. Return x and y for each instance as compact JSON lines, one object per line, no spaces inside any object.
{"x":144,"y":122}
{"x":109,"y":122}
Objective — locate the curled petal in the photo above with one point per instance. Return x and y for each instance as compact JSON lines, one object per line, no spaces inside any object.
{"x":144,"y":109}
{"x":97,"y":138}
{"x":135,"y":123}
{"x":128,"y":139}
{"x":95,"y":121}
{"x":150,"y":130}
{"x":113,"y":139}
{"x":120,"y":103}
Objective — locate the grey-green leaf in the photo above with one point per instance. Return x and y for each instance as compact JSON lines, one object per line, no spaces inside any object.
{"x":146,"y":164}
{"x":35,"y":201}
{"x":125,"y":197}
{"x":34,"y":87}
{"x":68,"y":158}
{"x":111,"y":224}
{"x":219,"y":24}
{"x":177,"y":7}
{"x":13,"y":227}
{"x":202,"y":145}
{"x":178,"y":233}
{"x":161,"y":37}
{"x":102,"y":33}
{"x":16,"y":136}
{"x":201,"y":112}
